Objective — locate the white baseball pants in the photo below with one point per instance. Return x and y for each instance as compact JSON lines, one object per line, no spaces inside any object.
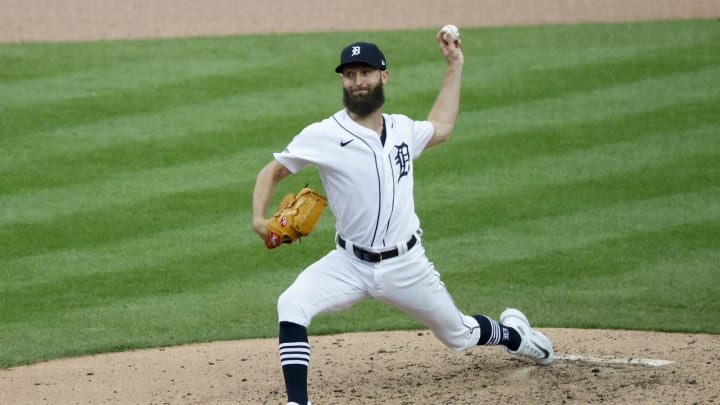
{"x":408,"y":282}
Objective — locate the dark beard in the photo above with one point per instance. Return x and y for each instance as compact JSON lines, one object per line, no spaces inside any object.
{"x":364,"y":105}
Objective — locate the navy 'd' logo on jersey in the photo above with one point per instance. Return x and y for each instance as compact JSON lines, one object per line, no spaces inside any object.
{"x":402,"y":159}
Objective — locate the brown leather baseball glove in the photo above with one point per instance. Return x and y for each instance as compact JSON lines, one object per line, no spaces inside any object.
{"x":296,"y":217}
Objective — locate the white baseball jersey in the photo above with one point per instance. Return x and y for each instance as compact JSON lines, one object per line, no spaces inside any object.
{"x":369,"y":186}
{"x":370,"y":191}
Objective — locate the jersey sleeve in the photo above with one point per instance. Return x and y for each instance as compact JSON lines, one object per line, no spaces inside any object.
{"x":422,"y":132}
{"x":302,"y":151}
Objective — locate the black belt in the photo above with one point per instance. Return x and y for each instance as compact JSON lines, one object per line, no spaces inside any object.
{"x":374,"y":257}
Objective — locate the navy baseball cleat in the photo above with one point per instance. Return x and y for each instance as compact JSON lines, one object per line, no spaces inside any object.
{"x":534,"y":343}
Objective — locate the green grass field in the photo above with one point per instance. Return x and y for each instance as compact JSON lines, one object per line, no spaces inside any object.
{"x":582,"y":183}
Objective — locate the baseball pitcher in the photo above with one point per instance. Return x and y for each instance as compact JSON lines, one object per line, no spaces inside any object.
{"x":365,"y":158}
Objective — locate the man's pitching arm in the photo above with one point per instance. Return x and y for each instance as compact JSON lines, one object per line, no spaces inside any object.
{"x":265,"y":183}
{"x":447,"y":105}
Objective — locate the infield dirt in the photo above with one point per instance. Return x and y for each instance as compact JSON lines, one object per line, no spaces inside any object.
{"x":403,"y":367}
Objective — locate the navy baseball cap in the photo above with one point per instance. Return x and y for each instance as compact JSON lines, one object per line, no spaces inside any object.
{"x":362,"y":52}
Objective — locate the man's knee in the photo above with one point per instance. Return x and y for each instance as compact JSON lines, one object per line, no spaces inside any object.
{"x":462,"y":338}
{"x":291,"y":309}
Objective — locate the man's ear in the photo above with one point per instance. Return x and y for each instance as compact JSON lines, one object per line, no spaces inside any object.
{"x":384,"y":76}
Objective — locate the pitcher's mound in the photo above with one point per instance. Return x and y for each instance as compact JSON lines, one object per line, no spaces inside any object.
{"x":404,"y":367}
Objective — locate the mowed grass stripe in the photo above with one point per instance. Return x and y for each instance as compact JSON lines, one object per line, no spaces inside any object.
{"x":146,"y":151}
{"x":542,"y":82}
{"x":687,"y":128}
{"x":154,"y":73}
{"x":50,"y":167}
{"x":495,"y":78}
{"x":612,"y":102}
{"x":208,"y":234}
{"x":125,"y":188}
{"x":64,"y":71}
{"x":141,"y":301}
{"x":155,"y":316}
{"x":139,"y":286}
{"x":261,"y":61}
{"x":122,"y":103}
{"x":172,"y":276}
{"x":29,"y":199}
{"x":237,"y":113}
{"x":138,"y":219}
{"x":614,"y":280}
{"x":620,"y":161}
{"x":534,"y":235}
{"x":142,"y":211}
{"x":493,"y":212}
{"x":598,"y":72}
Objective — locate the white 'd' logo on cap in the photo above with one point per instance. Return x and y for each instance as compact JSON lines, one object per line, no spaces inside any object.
{"x":355,"y":51}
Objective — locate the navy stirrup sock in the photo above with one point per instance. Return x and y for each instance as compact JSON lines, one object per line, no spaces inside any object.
{"x":294,"y":359}
{"x":494,"y":333}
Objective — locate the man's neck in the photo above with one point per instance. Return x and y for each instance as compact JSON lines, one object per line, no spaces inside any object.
{"x":372,"y":121}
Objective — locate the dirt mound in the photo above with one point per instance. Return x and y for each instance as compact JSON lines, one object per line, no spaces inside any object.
{"x":404,"y":367}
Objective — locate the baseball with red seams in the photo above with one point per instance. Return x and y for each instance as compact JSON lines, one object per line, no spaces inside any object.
{"x":451,"y":34}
